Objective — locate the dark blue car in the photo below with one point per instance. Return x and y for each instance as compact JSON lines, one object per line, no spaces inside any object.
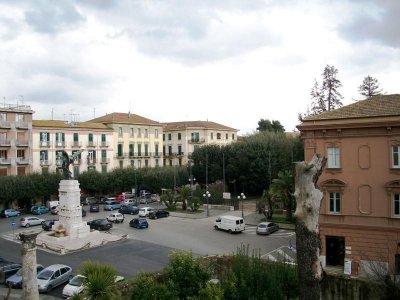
{"x":129,"y":210}
{"x":139,"y":223}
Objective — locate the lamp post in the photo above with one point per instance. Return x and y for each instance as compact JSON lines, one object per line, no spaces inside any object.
{"x":242,"y":196}
{"x":206,"y":196}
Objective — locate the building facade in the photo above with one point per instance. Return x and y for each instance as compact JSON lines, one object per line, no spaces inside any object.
{"x":360,"y":212}
{"x":15,"y":139}
{"x":182,"y":138}
{"x":137,"y":140}
{"x":50,"y":137}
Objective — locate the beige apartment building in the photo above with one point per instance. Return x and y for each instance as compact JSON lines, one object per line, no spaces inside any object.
{"x":360,"y":212}
{"x":137,"y":140}
{"x":50,"y":137}
{"x":182,"y":138}
{"x":15,"y":139}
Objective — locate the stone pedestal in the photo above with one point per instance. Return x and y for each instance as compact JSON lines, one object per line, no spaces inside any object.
{"x":70,"y":213}
{"x":29,"y":272}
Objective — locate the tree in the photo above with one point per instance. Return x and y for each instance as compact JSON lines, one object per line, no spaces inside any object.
{"x":267,"y":125}
{"x":369,"y":87}
{"x":318,"y":104}
{"x":282,"y":188}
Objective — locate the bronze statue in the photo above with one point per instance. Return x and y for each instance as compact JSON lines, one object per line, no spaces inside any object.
{"x":66,"y":161}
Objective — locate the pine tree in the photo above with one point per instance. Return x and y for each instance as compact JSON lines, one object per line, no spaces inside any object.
{"x":318,"y":104}
{"x":330,"y":86}
{"x":369,"y":87}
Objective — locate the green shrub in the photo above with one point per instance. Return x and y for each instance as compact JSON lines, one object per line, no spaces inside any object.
{"x":146,"y":288}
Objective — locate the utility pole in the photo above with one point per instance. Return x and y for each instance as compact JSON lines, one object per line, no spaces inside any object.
{"x":223,"y":168}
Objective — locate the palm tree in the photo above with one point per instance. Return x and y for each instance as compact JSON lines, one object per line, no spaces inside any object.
{"x":283,"y":188}
{"x":99,"y":283}
{"x":184,"y":193}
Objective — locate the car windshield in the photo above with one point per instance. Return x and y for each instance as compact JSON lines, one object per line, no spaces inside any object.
{"x":262,"y":226}
{"x":77,"y":281}
{"x":45,"y":274}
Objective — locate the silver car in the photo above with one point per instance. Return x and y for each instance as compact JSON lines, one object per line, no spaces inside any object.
{"x":53,"y":276}
{"x":267,"y":228}
{"x":30,"y":221}
{"x":15,"y":281}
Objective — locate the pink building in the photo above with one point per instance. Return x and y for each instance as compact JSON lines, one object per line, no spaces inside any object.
{"x":360,"y":212}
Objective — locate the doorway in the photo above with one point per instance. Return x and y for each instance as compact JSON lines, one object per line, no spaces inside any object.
{"x":335,"y":250}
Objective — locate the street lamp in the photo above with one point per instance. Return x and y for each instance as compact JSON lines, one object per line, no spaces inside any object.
{"x":242,"y":196}
{"x":206,"y":196}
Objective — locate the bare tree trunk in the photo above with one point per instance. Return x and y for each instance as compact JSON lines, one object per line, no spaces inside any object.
{"x":308,"y":243}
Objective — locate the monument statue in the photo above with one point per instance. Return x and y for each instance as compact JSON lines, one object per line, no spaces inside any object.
{"x":66,"y":161}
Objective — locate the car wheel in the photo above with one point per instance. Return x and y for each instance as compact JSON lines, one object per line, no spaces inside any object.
{"x":216,"y":227}
{"x":155,"y":217}
{"x":27,"y":225}
{"x":230,"y":231}
{"x":49,"y":288}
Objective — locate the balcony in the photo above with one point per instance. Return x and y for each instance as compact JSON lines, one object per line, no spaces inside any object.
{"x":45,"y":162}
{"x":77,"y":161}
{"x":91,"y":162}
{"x":196,"y":141}
{"x":5,"y":124}
{"x":5,"y":143}
{"x":104,"y":160}
{"x":156,"y":154}
{"x":60,"y":145}
{"x":22,"y":125}
{"x":91,"y":144}
{"x":146,"y":155}
{"x":22,"y":161}
{"x":76,"y":144}
{"x":22,"y":143}
{"x":104,"y":144}
{"x":44,"y":144}
{"x":5,"y":161}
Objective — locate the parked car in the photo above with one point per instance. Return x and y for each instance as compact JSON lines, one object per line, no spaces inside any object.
{"x":158,"y":214}
{"x":6,"y":213}
{"x":54,"y":210}
{"x":8,"y":269}
{"x":130,"y":201}
{"x":267,"y":228}
{"x":76,"y":285}
{"x":33,"y":207}
{"x":146,"y":198}
{"x":15,"y":281}
{"x":129,"y":209}
{"x":94,"y":208}
{"x":139,"y":223}
{"x":100,"y":224}
{"x":53,"y":276}
{"x":115,"y":217}
{"x":144,"y":211}
{"x":111,"y":205}
{"x":48,"y":224}
{"x":40,"y":210}
{"x":89,"y":200}
{"x":30,"y":221}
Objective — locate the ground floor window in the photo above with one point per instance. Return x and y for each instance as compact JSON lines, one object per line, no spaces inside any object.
{"x":335,"y":250}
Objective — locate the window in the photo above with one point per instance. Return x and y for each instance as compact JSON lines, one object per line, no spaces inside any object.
{"x":396,"y":156}
{"x":44,"y":156}
{"x":233,"y":136}
{"x":60,"y":139}
{"x":139,"y":149}
{"x":146,"y":163}
{"x":156,"y":133}
{"x":45,"y":137}
{"x":90,"y":138}
{"x":333,"y":157}
{"x":179,"y":150}
{"x":131,"y":150}
{"x":334,"y":202}
{"x":146,"y":133}
{"x":119,"y":150}
{"x":218,"y":135}
{"x":76,"y":137}
{"x":163,"y":137}
{"x":163,"y":150}
{"x":21,"y":153}
{"x":226,"y":136}
{"x":103,"y":139}
{"x":20,"y":118}
{"x":132,"y":132}
{"x":3,"y":116}
{"x":139,"y":132}
{"x":120,"y":132}
{"x":212,"y":135}
{"x":195,"y":137}
{"x":104,"y":155}
{"x":179,"y":136}
{"x":156,"y":149}
{"x":76,"y":159}
{"x":169,"y":150}
{"x":146,"y":149}
{"x":169,"y":136}
{"x":139,"y":163}
{"x":3,"y":154}
{"x":396,"y":204}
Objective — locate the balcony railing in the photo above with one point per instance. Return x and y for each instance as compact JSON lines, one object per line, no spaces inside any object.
{"x":5,"y":161}
{"x":77,"y":161}
{"x":45,"y":162}
{"x":91,"y":161}
{"x":91,"y":144}
{"x":5,"y":143}
{"x":21,"y":125}
{"x":45,"y":144}
{"x":23,"y":160}
{"x":76,"y":144}
{"x":196,"y":141}
{"x":5,"y":124}
{"x":104,"y":160}
{"x":104,"y":144}
{"x":22,"y":143}
{"x":60,"y":144}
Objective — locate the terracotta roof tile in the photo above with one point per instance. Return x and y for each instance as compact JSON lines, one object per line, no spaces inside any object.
{"x":64,"y":124}
{"x":377,"y":106}
{"x":123,"y":118}
{"x":195,"y":124}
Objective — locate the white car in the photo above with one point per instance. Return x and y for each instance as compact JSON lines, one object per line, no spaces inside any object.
{"x":30,"y":221}
{"x":115,"y":217}
{"x":144,"y":211}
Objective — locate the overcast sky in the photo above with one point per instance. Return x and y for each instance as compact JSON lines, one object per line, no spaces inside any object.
{"x":229,"y":61}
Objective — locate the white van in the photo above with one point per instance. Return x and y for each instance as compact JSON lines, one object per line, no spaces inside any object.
{"x":144,"y":211}
{"x":230,"y":224}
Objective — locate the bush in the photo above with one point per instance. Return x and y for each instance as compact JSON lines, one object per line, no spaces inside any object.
{"x":146,"y":288}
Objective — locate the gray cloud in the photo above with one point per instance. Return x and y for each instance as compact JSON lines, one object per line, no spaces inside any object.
{"x":375,"y":21}
{"x":47,"y":16}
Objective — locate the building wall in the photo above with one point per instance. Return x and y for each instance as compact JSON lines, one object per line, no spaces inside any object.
{"x":40,"y":164}
{"x":15,"y":139}
{"x":366,"y":219}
